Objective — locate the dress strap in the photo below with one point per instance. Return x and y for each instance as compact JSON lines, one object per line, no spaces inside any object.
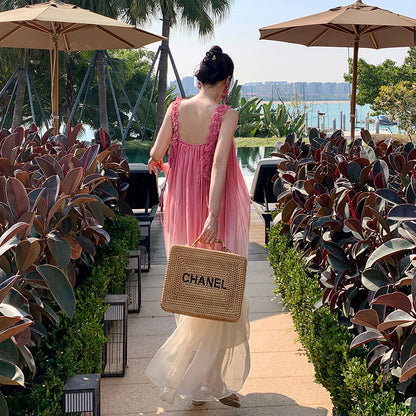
{"x":175,"y":135}
{"x":174,"y":117}
{"x":214,"y":129}
{"x":216,"y":120}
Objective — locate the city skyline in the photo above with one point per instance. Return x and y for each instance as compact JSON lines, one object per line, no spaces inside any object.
{"x":276,"y":90}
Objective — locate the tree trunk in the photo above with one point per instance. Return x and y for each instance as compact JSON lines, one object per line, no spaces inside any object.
{"x":102,"y":93}
{"x":20,"y":96}
{"x":70,"y":81}
{"x":163,"y":75}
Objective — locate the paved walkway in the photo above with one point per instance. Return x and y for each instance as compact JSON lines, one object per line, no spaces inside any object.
{"x":281,"y":381}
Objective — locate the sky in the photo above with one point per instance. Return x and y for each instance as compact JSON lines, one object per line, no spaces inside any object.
{"x":264,"y":60}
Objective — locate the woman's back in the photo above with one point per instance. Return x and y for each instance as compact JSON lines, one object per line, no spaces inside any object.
{"x":195,"y":119}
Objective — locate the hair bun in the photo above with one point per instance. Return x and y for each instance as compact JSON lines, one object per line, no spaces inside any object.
{"x":216,"y":66}
{"x":216,"y":50}
{"x":213,"y":54}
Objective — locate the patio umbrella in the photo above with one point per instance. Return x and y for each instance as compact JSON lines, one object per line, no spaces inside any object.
{"x":59,"y":26}
{"x":357,"y":25}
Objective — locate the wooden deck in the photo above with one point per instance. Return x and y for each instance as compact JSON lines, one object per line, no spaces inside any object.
{"x":257,"y":251}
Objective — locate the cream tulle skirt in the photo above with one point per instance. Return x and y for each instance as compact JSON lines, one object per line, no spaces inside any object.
{"x":202,"y":360}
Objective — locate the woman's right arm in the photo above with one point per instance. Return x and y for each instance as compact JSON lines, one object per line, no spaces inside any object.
{"x":162,"y":142}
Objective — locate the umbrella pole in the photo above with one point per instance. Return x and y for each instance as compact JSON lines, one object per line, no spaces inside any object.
{"x":55,"y":90}
{"x":354,"y":87}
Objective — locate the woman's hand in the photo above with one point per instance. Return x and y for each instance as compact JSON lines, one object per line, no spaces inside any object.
{"x":154,"y":164}
{"x":210,"y":230}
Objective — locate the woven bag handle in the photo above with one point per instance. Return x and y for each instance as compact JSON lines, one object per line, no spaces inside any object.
{"x":225,"y":249}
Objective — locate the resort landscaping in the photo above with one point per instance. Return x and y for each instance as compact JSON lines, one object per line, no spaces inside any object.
{"x":343,"y":250}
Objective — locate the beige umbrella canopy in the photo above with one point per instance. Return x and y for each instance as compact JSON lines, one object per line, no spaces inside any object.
{"x":357,"y":25}
{"x":60,"y":26}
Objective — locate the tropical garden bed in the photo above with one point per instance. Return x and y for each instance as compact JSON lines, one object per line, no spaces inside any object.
{"x":63,"y":247}
{"x":343,"y":251}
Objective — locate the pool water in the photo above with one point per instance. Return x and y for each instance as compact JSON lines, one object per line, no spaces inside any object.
{"x":248,"y":157}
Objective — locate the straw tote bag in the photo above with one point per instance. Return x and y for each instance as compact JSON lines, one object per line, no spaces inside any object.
{"x":204,"y":283}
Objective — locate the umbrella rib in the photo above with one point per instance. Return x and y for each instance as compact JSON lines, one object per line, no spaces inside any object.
{"x":319,"y":37}
{"x":71,"y":28}
{"x":369,"y":29}
{"x":373,"y":39}
{"x":12,"y":32}
{"x":279,"y":32}
{"x":115,"y":36}
{"x":35,"y":26}
{"x":66,"y":42}
{"x":339,"y":29}
{"x":74,"y":27}
{"x":409,"y":28}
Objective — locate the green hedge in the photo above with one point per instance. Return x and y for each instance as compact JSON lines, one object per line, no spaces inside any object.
{"x":74,"y":346}
{"x":354,"y":390}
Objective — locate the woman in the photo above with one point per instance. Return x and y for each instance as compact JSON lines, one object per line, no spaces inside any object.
{"x":206,"y":199}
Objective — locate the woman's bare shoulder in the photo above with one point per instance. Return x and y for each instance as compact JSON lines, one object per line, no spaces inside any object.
{"x":231,"y":114}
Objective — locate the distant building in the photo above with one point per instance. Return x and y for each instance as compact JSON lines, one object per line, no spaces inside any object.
{"x":189,"y":86}
{"x":282,"y":90}
{"x":304,"y":91}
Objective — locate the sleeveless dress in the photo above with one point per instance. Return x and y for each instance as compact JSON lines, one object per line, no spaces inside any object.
{"x":203,"y":359}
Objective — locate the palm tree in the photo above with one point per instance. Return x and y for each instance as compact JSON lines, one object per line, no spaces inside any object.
{"x":197,"y":15}
{"x":110,"y":9}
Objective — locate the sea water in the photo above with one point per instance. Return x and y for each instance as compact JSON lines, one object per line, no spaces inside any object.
{"x":326,"y":114}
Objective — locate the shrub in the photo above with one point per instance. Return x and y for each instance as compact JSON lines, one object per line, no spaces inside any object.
{"x":350,"y":210}
{"x":74,"y":346}
{"x":326,"y":341}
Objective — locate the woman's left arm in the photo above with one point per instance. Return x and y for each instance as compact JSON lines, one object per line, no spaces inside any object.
{"x":162,"y":142}
{"x":218,"y":174}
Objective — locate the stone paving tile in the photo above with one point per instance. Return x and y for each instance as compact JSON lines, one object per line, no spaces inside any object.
{"x":143,"y":399}
{"x":160,"y":325}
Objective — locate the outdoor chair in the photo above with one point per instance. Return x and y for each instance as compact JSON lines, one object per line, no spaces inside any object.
{"x":261,"y":193}
{"x":143,"y":198}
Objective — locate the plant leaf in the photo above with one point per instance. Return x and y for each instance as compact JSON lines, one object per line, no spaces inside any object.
{"x":17,"y":197}
{"x":388,"y":249}
{"x":60,"y":248}
{"x":89,"y":157}
{"x":365,"y":337}
{"x":10,"y":332}
{"x":28,"y":357}
{"x":403,"y":212}
{"x":366,"y":317}
{"x":397,"y":300}
{"x":376,"y":354}
{"x":396,"y":318}
{"x":408,"y":349}
{"x":26,"y":254}
{"x":390,"y":195}
{"x":8,"y":321}
{"x":411,"y":403}
{"x":59,"y":286}
{"x":6,"y":286}
{"x":373,"y":279}
{"x":10,"y":374}
{"x":52,"y":185}
{"x":50,"y":166}
{"x":408,"y":369}
{"x":72,"y":180}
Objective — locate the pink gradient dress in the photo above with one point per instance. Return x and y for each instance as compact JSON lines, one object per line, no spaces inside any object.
{"x":203,"y":359}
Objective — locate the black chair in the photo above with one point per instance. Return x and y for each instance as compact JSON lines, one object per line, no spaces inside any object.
{"x":261,"y":193}
{"x":143,"y":198}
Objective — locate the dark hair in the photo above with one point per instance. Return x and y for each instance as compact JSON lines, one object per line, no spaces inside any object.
{"x":216,"y":66}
